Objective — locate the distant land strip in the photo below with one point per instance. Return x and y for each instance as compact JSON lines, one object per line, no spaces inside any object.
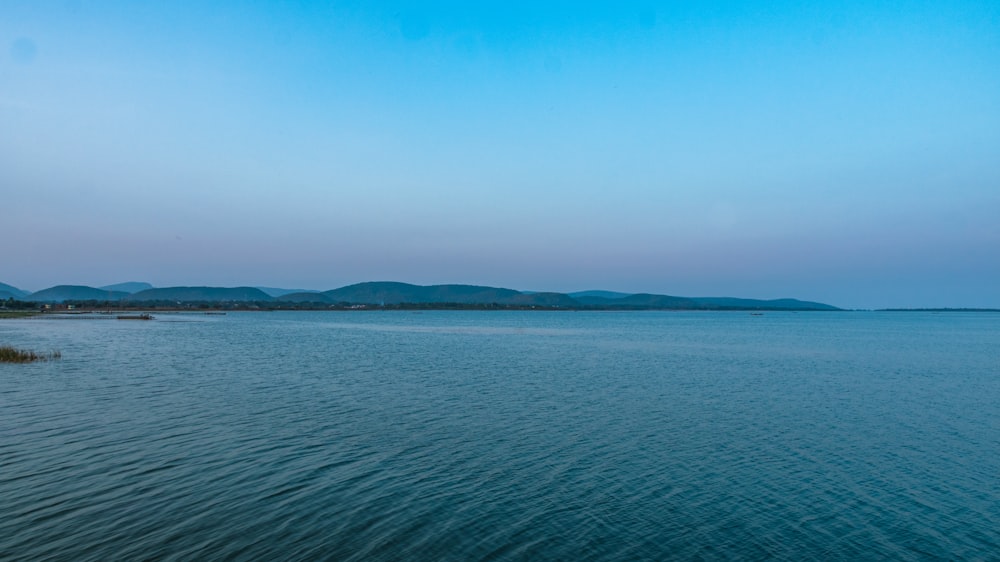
{"x":376,"y":294}
{"x":938,"y":310}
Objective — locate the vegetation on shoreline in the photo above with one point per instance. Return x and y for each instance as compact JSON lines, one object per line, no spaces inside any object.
{"x":9,"y":354}
{"x":17,"y":313}
{"x":938,"y":310}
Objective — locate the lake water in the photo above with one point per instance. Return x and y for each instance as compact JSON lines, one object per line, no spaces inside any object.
{"x":503,"y":436}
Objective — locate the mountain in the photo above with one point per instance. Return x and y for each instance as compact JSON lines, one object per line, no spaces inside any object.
{"x":4,"y":295}
{"x":390,"y":292}
{"x":375,"y":292}
{"x":600,"y":294}
{"x":594,"y":301}
{"x":775,"y":304}
{"x":276,"y":292}
{"x":14,"y":291}
{"x":394,"y":293}
{"x":640,"y":300}
{"x":543,"y":299}
{"x":651,"y":301}
{"x":61,"y":293}
{"x":128,"y":287}
{"x":304,"y":297}
{"x":201,"y":294}
{"x":387,"y":292}
{"x":647,"y":300}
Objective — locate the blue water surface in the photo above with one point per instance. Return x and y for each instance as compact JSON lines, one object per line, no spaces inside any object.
{"x":470,"y":435}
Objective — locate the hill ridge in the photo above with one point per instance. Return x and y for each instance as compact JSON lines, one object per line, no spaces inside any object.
{"x":61,"y":293}
{"x":14,"y":291}
{"x":396,"y":293}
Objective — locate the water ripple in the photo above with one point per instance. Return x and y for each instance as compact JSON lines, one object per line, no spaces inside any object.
{"x":504,"y":436}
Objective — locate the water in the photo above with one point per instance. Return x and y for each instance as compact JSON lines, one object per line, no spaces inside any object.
{"x":503,"y":436}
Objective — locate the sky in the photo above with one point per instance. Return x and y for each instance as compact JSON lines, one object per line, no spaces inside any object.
{"x":843,"y":152}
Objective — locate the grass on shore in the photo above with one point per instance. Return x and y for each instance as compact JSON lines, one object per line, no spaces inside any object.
{"x":10,"y":354}
{"x":17,"y":313}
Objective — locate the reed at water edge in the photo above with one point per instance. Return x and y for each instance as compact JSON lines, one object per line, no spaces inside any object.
{"x":10,"y":354}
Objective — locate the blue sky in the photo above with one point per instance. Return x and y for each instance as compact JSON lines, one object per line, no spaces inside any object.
{"x":846,"y":153}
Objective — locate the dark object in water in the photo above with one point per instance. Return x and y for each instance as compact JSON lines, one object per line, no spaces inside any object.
{"x":10,"y":354}
{"x":143,"y":316}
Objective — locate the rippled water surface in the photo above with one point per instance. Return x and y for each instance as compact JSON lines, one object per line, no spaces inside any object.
{"x":503,"y":436}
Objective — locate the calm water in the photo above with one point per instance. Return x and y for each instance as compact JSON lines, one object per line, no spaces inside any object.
{"x":503,"y":436}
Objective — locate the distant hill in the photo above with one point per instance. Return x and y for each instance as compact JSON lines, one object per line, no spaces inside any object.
{"x":4,"y":295}
{"x":61,"y":293}
{"x":646,"y":300}
{"x":389,"y":292}
{"x":14,"y":291}
{"x":375,"y":292}
{"x":776,"y":304}
{"x":276,"y":292}
{"x":639,"y":300}
{"x":201,"y":294}
{"x":128,"y":287}
{"x":595,"y":301}
{"x":543,"y":299}
{"x":600,"y":294}
{"x":304,"y":297}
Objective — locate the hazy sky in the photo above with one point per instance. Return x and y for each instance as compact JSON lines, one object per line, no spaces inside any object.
{"x":845,"y":153}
